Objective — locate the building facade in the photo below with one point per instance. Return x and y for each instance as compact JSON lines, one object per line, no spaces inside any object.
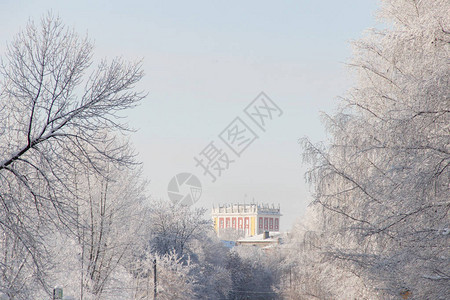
{"x":243,"y":220}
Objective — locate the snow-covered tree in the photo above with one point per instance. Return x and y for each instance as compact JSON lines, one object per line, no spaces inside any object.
{"x":381,"y":182}
{"x":175,"y":227}
{"x":307,"y":272}
{"x":110,"y":215}
{"x":56,"y":112}
{"x":186,"y":236}
{"x":254,"y":273}
{"x":208,"y":257}
{"x":173,"y":280}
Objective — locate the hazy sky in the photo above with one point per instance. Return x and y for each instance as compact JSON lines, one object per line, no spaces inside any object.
{"x":205,"y":61}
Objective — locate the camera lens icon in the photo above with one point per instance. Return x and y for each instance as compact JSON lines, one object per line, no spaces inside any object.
{"x":184,"y":189}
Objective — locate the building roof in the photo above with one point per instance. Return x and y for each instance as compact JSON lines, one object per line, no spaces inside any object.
{"x":253,"y":208}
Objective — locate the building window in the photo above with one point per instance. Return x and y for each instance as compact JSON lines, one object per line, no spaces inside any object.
{"x":234,"y":223}
{"x":266,"y":224}
{"x":228,"y":223}
{"x":261,"y":223}
{"x":271,"y":224}
{"x":221,"y":222}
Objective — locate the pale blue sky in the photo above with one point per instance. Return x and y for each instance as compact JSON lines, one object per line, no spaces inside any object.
{"x":204,"y":62}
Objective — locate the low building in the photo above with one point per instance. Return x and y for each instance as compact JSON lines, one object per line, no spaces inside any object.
{"x":264,"y":240}
{"x":233,"y":221}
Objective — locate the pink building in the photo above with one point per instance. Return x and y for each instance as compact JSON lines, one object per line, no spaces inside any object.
{"x":243,"y":220}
